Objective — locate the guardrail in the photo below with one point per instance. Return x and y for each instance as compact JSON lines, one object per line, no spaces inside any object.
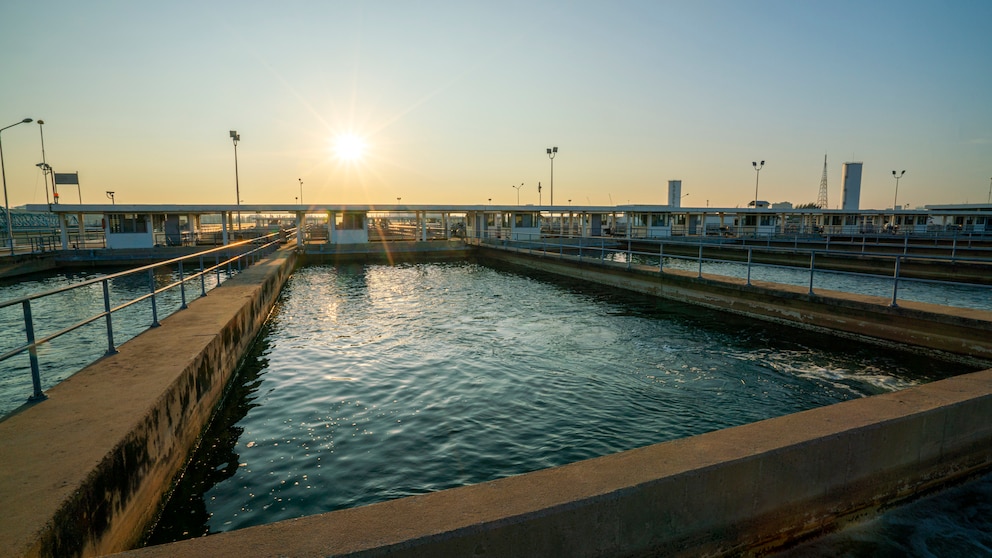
{"x":617,"y":250}
{"x":245,"y":253}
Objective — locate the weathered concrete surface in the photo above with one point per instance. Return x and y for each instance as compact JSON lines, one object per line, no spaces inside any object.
{"x":83,"y":472}
{"x":15,"y":266}
{"x":740,"y":490}
{"x":960,"y":333}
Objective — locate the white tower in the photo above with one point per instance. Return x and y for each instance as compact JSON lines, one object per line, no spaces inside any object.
{"x":852,"y":186}
{"x":675,"y":193}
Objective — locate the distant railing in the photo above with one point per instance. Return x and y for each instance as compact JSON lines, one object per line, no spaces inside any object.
{"x":613,"y":251}
{"x":227,"y":259}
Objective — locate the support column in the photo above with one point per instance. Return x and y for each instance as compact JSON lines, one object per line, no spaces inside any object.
{"x":331,"y":228}
{"x":225,"y":218}
{"x":301,"y":226}
{"x":422,"y":221}
{"x":64,"y":230}
{"x":81,"y":231}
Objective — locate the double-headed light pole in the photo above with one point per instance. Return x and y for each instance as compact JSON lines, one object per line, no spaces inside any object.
{"x":517,"y":188}
{"x":235,"y":137}
{"x":552,"y":151}
{"x":757,"y":174}
{"x":897,"y":176}
{"x":3,"y":174}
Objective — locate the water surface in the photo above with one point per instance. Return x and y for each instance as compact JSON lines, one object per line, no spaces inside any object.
{"x":374,"y":382}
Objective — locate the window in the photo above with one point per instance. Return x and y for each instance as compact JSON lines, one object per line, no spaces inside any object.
{"x":350,"y":221}
{"x":128,"y":223}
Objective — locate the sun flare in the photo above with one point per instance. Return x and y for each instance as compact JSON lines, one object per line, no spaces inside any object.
{"x":349,"y":147}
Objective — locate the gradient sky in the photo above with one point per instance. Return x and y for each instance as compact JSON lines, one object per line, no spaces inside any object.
{"x":459,"y":100}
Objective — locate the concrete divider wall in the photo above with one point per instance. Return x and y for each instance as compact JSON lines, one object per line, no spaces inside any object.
{"x":959,"y":333}
{"x":748,"y":489}
{"x":83,"y":473}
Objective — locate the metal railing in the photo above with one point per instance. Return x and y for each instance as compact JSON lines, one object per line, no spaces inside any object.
{"x":614,"y":251}
{"x":226,"y":260}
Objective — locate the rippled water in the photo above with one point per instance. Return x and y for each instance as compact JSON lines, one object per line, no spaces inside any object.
{"x":377,"y":382}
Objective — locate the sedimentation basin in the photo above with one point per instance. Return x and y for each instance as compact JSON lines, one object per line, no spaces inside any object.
{"x":91,"y":464}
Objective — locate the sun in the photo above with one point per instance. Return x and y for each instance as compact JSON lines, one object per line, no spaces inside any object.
{"x":349,"y":147}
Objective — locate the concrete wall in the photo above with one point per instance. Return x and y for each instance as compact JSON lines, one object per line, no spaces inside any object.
{"x":83,"y":472}
{"x":954,"y":332}
{"x":750,"y":488}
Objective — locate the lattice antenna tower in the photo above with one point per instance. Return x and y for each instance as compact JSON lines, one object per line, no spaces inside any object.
{"x":821,"y":198}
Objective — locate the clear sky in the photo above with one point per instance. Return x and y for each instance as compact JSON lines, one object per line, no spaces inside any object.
{"x":457,"y":101}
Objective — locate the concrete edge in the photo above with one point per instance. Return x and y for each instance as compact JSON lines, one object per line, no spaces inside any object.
{"x":751,"y":488}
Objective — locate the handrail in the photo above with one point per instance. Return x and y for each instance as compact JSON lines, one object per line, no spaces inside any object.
{"x":257,"y":248}
{"x":541,"y":246}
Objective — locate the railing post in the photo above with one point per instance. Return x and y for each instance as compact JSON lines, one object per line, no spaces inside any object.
{"x":812,"y":267}
{"x":895,"y":283}
{"x":151,"y":285}
{"x":749,"y":250}
{"x":661,"y":255}
{"x":700,"y":273}
{"x":203,"y":279}
{"x":182,"y":287}
{"x":602,"y":249}
{"x":629,"y":254}
{"x":111,"y":349}
{"x":38,"y":395}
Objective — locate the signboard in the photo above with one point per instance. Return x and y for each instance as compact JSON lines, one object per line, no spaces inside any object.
{"x":67,"y":178}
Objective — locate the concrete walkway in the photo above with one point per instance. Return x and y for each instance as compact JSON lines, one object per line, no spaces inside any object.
{"x":83,"y":472}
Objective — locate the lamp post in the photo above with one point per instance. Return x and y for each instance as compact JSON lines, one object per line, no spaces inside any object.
{"x":110,"y":195}
{"x":552,"y":151}
{"x":44,"y":162}
{"x":540,"y":203}
{"x":897,"y":176}
{"x":757,"y":174}
{"x":3,"y":174}
{"x":517,"y":188}
{"x":235,"y":137}
{"x":301,"y":191}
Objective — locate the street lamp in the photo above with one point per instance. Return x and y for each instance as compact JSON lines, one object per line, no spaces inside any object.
{"x":540,"y":203}
{"x":897,"y":177}
{"x":3,"y":174}
{"x":235,"y":137}
{"x":517,"y":188}
{"x":301,"y":191}
{"x":757,"y":174}
{"x":552,"y":151}
{"x":110,"y":195}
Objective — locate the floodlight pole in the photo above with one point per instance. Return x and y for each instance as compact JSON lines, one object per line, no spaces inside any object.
{"x":895,"y":199}
{"x":235,"y":136}
{"x":757,"y":174}
{"x":552,"y":151}
{"x":3,"y":174}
